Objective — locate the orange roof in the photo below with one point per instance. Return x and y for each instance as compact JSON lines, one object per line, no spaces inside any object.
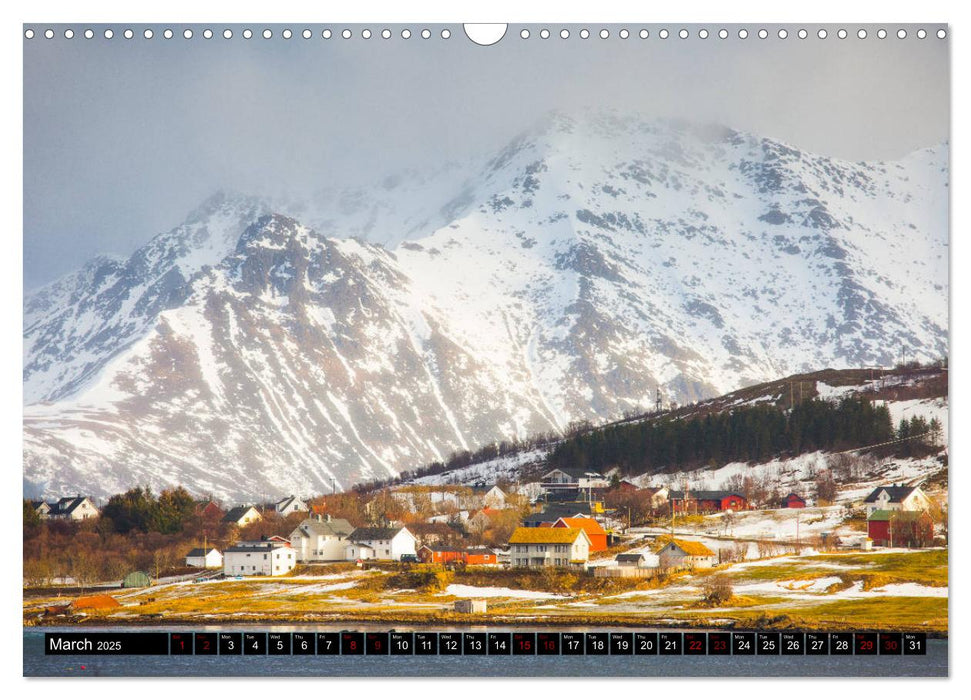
{"x":546,"y":535}
{"x":693,"y":549}
{"x":95,"y":602}
{"x":487,"y":511}
{"x":588,"y":525}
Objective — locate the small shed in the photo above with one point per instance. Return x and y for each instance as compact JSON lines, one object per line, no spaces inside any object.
{"x":136,"y":579}
{"x":793,"y":500}
{"x":204,"y":559}
{"x":629,"y":559}
{"x":473,"y":605}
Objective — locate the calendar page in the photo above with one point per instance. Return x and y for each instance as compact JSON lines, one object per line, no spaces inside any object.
{"x":543,"y":350}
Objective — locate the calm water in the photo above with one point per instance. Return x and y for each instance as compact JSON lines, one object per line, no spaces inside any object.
{"x":36,"y":663}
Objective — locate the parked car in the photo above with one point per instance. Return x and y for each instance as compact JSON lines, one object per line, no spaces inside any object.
{"x":409,"y":558}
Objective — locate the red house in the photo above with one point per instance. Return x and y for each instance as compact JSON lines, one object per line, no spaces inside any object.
{"x":596,"y":533}
{"x":900,"y":528}
{"x":440,"y":554}
{"x":209,"y":510}
{"x":479,"y":556}
{"x":793,"y":501}
{"x":706,"y":501}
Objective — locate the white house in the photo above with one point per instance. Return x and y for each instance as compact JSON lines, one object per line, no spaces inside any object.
{"x":321,"y":538}
{"x":549,"y":546}
{"x":69,"y":508}
{"x":290,"y":504}
{"x":259,"y":558}
{"x":532,"y":490}
{"x":685,"y":554}
{"x":490,"y":496}
{"x":896,"y":497}
{"x":574,"y":478}
{"x":242,"y":515}
{"x":460,"y":515}
{"x":204,"y":559}
{"x":380,"y":543}
{"x":659,"y":496}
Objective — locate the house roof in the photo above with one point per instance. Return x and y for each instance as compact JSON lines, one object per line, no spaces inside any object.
{"x":478,"y":550}
{"x":546,"y":535}
{"x":256,"y":546}
{"x":589,"y":525}
{"x":792,"y":494}
{"x":897,"y":515}
{"x":66,"y":505}
{"x":374,"y":533}
{"x":702,"y":495}
{"x":487,"y":511}
{"x":691,"y":548}
{"x":440,"y":548}
{"x":236,"y":514}
{"x":200,"y":552}
{"x":897,"y":493}
{"x":432,"y":528}
{"x":575,"y":472}
{"x":337,"y":527}
{"x":290,"y":501}
{"x":629,"y":557}
{"x":554,"y":512}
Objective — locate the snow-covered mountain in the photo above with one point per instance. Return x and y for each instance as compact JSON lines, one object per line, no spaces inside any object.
{"x":594,"y":259}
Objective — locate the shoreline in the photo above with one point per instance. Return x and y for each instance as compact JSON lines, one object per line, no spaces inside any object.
{"x":424,"y":622}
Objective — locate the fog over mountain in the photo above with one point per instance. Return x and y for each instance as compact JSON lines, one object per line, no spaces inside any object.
{"x":268,"y":344}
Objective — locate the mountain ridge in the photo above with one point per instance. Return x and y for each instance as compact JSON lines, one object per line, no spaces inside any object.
{"x":580,"y":270}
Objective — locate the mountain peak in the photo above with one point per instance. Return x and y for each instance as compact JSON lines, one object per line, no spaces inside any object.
{"x":224,"y":201}
{"x":596,"y":259}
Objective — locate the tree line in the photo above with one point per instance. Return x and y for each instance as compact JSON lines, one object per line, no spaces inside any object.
{"x":750,"y":433}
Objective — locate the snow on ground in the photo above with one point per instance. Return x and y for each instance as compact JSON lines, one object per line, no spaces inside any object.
{"x":781,"y":524}
{"x":463,"y":591}
{"x":928,"y":408}
{"x":507,"y":467}
{"x":794,"y":590}
{"x":790,"y":473}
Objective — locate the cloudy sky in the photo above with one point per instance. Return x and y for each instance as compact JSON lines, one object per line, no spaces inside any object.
{"x":123,"y":137}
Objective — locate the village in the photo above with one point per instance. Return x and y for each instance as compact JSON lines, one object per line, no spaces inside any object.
{"x":572,"y":546}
